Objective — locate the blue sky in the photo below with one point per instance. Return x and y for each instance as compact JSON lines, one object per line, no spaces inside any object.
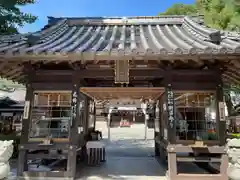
{"x":76,"y":8}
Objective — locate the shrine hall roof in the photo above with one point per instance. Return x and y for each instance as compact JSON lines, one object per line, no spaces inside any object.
{"x":122,"y":36}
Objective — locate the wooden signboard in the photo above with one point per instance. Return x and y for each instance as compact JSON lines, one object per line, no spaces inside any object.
{"x":122,"y":71}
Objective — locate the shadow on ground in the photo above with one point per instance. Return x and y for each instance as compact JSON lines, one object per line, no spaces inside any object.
{"x":126,"y":168}
{"x":126,"y":159}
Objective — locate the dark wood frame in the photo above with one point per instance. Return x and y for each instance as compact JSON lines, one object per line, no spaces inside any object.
{"x":182,"y":66}
{"x":72,"y":80}
{"x":71,"y":147}
{"x":167,"y":149}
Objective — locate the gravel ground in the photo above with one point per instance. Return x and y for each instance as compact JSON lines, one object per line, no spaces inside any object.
{"x":129,"y":157}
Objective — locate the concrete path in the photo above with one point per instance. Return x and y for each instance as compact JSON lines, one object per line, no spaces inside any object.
{"x":125,"y":168}
{"x":129,"y":157}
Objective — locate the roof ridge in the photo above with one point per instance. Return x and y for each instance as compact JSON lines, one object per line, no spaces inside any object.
{"x":13,"y":38}
{"x":33,"y":37}
{"x":121,"y":17}
{"x":210,"y":34}
{"x":234,"y":35}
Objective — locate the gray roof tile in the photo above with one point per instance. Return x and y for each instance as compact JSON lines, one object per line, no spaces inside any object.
{"x":134,"y":35}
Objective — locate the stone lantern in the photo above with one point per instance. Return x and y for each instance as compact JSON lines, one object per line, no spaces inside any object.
{"x":233,"y":151}
{"x":6,"y":151}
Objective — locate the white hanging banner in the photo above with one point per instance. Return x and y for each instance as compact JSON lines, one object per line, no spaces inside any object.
{"x":144,"y":106}
{"x":221,"y":106}
{"x":26,"y":110}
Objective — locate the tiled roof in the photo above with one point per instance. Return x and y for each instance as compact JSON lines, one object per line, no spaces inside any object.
{"x":122,"y":36}
{"x":17,"y":95}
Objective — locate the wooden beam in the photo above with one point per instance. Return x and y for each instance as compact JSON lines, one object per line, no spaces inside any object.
{"x":52,"y":86}
{"x":103,"y":73}
{"x":89,"y":57}
{"x":193,"y":86}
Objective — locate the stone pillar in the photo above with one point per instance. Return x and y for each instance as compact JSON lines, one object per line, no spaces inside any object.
{"x":233,"y":151}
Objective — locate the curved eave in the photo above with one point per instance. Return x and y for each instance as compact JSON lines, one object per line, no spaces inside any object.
{"x":230,"y":70}
{"x":142,"y":37}
{"x":95,"y":58}
{"x":167,"y":38}
{"x":231,"y":73}
{"x":16,"y":42}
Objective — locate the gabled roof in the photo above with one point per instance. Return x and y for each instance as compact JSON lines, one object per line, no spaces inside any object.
{"x":65,"y":41}
{"x":122,"y":36}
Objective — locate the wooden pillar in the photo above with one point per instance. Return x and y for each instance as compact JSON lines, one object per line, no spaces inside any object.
{"x":26,"y":120}
{"x":220,"y":113}
{"x":171,"y":114}
{"x":86,"y":115}
{"x":146,"y":125}
{"x":134,"y":116}
{"x":81,"y":113}
{"x":75,"y":119}
{"x":109,"y":123}
{"x":95,"y":117}
{"x":157,"y":128}
{"x":169,"y":100}
{"x":157,"y":123}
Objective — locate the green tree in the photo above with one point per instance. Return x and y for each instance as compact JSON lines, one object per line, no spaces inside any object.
{"x":180,"y":9}
{"x":11,"y":17}
{"x":218,"y":14}
{"x":232,"y":99}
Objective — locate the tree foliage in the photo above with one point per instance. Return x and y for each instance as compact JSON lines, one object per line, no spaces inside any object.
{"x":180,"y":9}
{"x":11,"y":17}
{"x":232,"y":99}
{"x":218,"y":14}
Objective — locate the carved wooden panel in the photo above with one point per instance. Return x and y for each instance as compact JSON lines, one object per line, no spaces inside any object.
{"x":122,"y":71}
